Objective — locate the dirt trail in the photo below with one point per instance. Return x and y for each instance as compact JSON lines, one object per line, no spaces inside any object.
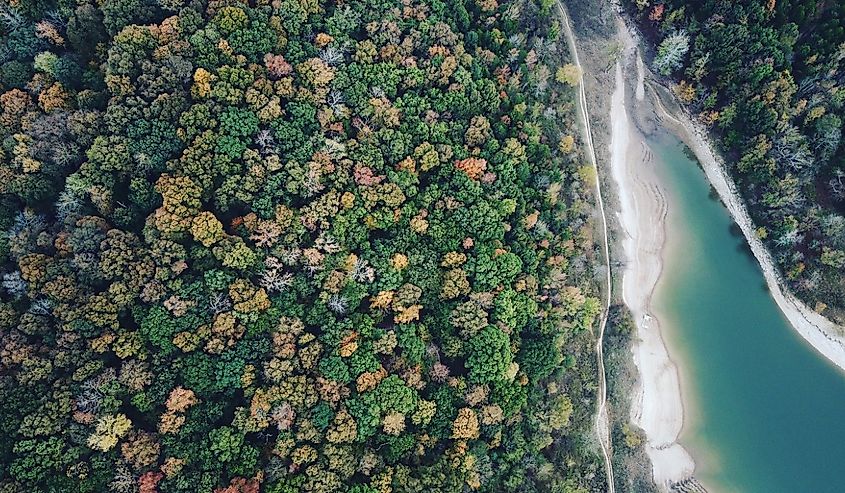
{"x":602,"y":420}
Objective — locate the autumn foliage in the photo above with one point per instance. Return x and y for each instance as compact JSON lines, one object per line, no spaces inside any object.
{"x":291,"y":246}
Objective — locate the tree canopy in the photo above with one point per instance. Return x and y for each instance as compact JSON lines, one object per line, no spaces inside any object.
{"x":292,"y":245}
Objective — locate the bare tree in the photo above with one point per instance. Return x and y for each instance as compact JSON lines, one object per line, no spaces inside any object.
{"x":836,"y":185}
{"x":671,"y":52}
{"x":123,"y":480}
{"x":790,"y":149}
{"x":332,"y":55}
{"x":338,"y":304}
{"x":14,"y":284}
{"x":11,"y":19}
{"x":275,"y":280}
{"x":219,"y":303}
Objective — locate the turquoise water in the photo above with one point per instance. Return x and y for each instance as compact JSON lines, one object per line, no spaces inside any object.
{"x":766,"y":414}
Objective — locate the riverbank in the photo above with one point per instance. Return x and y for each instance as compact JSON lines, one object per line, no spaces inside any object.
{"x":762,"y":410}
{"x":821,"y":333}
{"x":657,"y":407}
{"x":645,"y":428}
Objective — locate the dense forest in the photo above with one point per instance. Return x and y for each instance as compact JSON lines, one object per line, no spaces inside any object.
{"x":293,"y":245}
{"x":769,"y":78}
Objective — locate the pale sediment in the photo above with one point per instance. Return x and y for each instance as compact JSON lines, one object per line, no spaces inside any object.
{"x":657,"y":407}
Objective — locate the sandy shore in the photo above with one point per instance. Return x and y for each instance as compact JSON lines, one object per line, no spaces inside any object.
{"x":657,"y":407}
{"x":822,"y":334}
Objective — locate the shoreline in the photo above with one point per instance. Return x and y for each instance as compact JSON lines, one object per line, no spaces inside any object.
{"x":823,"y":335}
{"x":657,"y":406}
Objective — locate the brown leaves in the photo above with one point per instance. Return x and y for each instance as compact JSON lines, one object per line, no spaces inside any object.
{"x":247,"y":297}
{"x":316,"y":72}
{"x":141,"y":449}
{"x":478,"y":131}
{"x":180,"y":399}
{"x":178,"y":402}
{"x":109,"y":429}
{"x":382,"y":300}
{"x":419,"y":224}
{"x":206,"y":229}
{"x":439,"y":372}
{"x":15,"y":103}
{"x":394,"y":423}
{"x":348,"y":345}
{"x":331,"y":391}
{"x":465,"y":426}
{"x":323,"y":39}
{"x":284,"y":416}
{"x":242,"y":485}
{"x":202,"y":83}
{"x":148,"y":482}
{"x":181,"y":202}
{"x":45,"y":30}
{"x":370,"y":379}
{"x":54,"y":97}
{"x":277,"y":66}
{"x":455,"y":284}
{"x":408,"y":315}
{"x":474,"y":168}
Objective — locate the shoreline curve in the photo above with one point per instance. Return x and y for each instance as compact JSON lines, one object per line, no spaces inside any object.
{"x":657,"y":407}
{"x":822,"y":334}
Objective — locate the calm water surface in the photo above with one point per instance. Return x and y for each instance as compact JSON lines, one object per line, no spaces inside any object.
{"x":765,"y":413}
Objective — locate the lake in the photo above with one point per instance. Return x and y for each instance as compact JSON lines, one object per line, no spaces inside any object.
{"x":764,"y":412}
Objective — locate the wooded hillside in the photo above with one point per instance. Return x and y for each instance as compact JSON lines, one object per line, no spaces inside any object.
{"x":292,"y":246}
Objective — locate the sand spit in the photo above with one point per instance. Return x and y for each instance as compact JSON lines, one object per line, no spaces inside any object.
{"x":657,"y":407}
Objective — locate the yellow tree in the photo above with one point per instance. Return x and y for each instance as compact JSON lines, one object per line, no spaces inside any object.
{"x":110,"y":428}
{"x":465,"y":426}
{"x":181,"y":202}
{"x":568,"y":74}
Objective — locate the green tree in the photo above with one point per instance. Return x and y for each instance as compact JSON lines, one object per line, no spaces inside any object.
{"x":489,"y":355}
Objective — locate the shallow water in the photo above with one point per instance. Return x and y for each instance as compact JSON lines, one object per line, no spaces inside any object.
{"x":765,"y":413}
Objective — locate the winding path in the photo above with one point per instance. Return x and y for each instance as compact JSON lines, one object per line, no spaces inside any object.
{"x":602,"y":421}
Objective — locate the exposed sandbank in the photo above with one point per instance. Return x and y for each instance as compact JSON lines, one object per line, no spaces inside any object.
{"x":657,"y":406}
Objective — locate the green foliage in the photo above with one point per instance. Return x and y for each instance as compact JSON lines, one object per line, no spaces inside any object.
{"x":489,"y":355}
{"x":290,"y":246}
{"x":335,"y":369}
{"x":225,"y":443}
{"x":158,"y":328}
{"x":538,"y":358}
{"x":511,"y":396}
{"x":765,"y":78}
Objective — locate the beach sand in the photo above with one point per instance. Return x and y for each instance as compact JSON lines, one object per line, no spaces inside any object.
{"x":657,"y":406}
